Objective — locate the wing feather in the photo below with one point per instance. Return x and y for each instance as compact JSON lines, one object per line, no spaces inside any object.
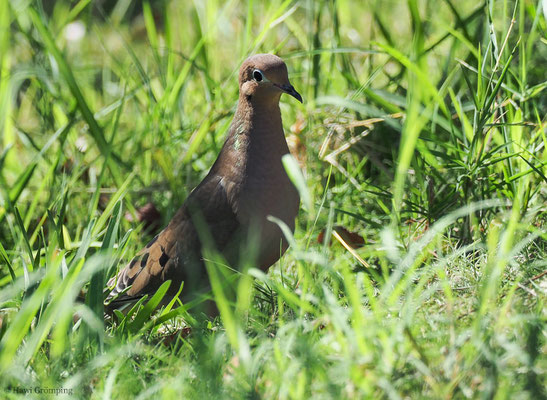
{"x":175,"y":253}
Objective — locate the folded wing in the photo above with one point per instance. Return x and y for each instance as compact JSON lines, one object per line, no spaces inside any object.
{"x":175,"y":253}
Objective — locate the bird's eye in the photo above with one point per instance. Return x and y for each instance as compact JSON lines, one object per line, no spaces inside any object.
{"x":257,"y":75}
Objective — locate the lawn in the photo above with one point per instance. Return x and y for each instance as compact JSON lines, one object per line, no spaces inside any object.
{"x":418,"y":268}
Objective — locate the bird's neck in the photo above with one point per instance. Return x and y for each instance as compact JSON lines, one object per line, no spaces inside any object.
{"x":257,"y":125}
{"x":255,"y":141}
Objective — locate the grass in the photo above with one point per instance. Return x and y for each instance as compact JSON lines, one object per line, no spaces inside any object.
{"x":422,"y":135}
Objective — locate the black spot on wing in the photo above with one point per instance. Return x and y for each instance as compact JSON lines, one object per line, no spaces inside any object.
{"x":144,"y":260}
{"x":163,"y":259}
{"x":129,"y":281}
{"x":150,"y":243}
{"x":133,"y":262}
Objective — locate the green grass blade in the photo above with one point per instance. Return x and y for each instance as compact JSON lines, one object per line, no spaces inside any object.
{"x":144,"y":314}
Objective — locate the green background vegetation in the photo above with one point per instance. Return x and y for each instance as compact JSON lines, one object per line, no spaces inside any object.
{"x":422,"y":133}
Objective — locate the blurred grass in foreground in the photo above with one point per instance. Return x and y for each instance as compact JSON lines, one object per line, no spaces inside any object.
{"x":422,"y":133}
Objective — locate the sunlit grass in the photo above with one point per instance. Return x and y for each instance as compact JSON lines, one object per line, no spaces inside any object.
{"x":422,"y":133}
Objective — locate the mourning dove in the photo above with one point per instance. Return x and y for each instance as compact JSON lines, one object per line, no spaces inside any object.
{"x":246,"y":184}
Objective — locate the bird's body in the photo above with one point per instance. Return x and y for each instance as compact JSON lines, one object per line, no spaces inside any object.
{"x":246,"y":184}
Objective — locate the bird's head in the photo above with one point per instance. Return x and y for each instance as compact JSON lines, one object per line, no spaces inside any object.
{"x":264,"y":77}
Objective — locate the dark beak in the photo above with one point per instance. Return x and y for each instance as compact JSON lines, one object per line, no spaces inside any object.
{"x":289,"y":89}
